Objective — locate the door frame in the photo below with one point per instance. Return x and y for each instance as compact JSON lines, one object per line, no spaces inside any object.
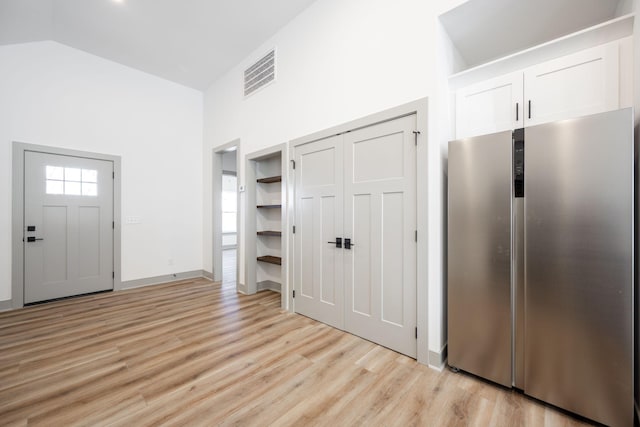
{"x":216,"y":210}
{"x":420,"y":109}
{"x":17,"y":217}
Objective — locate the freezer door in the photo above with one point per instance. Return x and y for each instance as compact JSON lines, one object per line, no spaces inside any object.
{"x":479,"y":253}
{"x":578,"y":265}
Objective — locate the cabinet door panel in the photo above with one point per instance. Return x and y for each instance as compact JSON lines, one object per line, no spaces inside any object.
{"x":490,"y":106}
{"x":572,"y":86}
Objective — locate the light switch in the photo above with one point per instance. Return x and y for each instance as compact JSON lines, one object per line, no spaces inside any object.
{"x":133,"y":220}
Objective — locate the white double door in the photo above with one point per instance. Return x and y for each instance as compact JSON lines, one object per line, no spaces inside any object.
{"x":360,"y":186}
{"x":68,"y":226}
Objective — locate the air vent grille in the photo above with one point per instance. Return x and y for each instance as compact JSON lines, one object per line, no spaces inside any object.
{"x":260,"y":73}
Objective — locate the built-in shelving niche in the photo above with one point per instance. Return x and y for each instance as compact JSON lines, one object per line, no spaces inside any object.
{"x":266,"y":201}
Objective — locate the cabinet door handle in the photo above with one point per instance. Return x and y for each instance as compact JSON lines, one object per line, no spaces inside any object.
{"x":517,"y":111}
{"x":529,"y":108}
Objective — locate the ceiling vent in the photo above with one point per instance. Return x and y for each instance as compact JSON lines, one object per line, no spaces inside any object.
{"x":260,"y":74}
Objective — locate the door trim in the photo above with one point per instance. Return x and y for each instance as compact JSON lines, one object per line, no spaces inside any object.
{"x":17,"y":213}
{"x":420,"y":109}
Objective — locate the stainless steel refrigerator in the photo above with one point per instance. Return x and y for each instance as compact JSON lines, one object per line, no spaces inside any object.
{"x":540,"y":262}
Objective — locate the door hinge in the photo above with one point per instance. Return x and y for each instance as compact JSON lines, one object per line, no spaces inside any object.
{"x":113,"y":224}
{"x":293,"y":163}
{"x":113,"y":274}
{"x":294,"y":229}
{"x":416,"y":235}
{"x":416,"y":133}
{"x":294,"y":293}
{"x":113,"y":175}
{"x":416,"y":332}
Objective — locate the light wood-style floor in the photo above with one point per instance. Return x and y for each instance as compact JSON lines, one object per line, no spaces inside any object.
{"x":197,"y":353}
{"x":229,"y":267}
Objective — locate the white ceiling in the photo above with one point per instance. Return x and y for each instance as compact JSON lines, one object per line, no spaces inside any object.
{"x":191,"y":42}
{"x":483,"y":30}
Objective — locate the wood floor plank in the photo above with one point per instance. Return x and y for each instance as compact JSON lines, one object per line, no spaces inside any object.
{"x":195,"y":352}
{"x":31,"y":371}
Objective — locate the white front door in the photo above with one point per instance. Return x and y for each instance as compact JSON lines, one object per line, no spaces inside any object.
{"x":319,"y":202}
{"x":359,"y":186}
{"x":380,"y":219}
{"x":68,"y":226}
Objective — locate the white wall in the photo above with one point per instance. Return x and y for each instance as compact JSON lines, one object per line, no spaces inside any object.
{"x":54,"y":95}
{"x":337,"y":61}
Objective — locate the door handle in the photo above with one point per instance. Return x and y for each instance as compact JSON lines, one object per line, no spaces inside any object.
{"x":33,"y":239}
{"x":338,"y":242}
{"x":348,"y":244}
{"x":517,"y":111}
{"x":529,"y":108}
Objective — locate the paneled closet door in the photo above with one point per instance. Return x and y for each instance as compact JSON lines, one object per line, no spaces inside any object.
{"x":318,"y":264}
{"x":380,"y":220}
{"x":359,"y":187}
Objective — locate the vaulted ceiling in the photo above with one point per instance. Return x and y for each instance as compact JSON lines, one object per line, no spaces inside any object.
{"x":191,"y":42}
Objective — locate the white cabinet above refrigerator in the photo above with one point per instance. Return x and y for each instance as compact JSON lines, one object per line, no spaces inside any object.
{"x":586,"y":82}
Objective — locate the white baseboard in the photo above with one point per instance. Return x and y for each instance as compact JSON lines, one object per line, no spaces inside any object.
{"x":207,"y":275}
{"x":437,"y":360}
{"x":157,"y":280}
{"x":268,"y":285}
{"x":6,"y":305}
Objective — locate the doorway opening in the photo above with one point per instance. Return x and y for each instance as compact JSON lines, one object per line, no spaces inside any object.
{"x":229,"y":204}
{"x":225,"y":205}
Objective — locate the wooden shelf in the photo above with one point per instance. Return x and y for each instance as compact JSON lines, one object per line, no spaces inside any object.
{"x":270,"y":233}
{"x":270,"y":259}
{"x":270,"y":179}
{"x":268,"y":206}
